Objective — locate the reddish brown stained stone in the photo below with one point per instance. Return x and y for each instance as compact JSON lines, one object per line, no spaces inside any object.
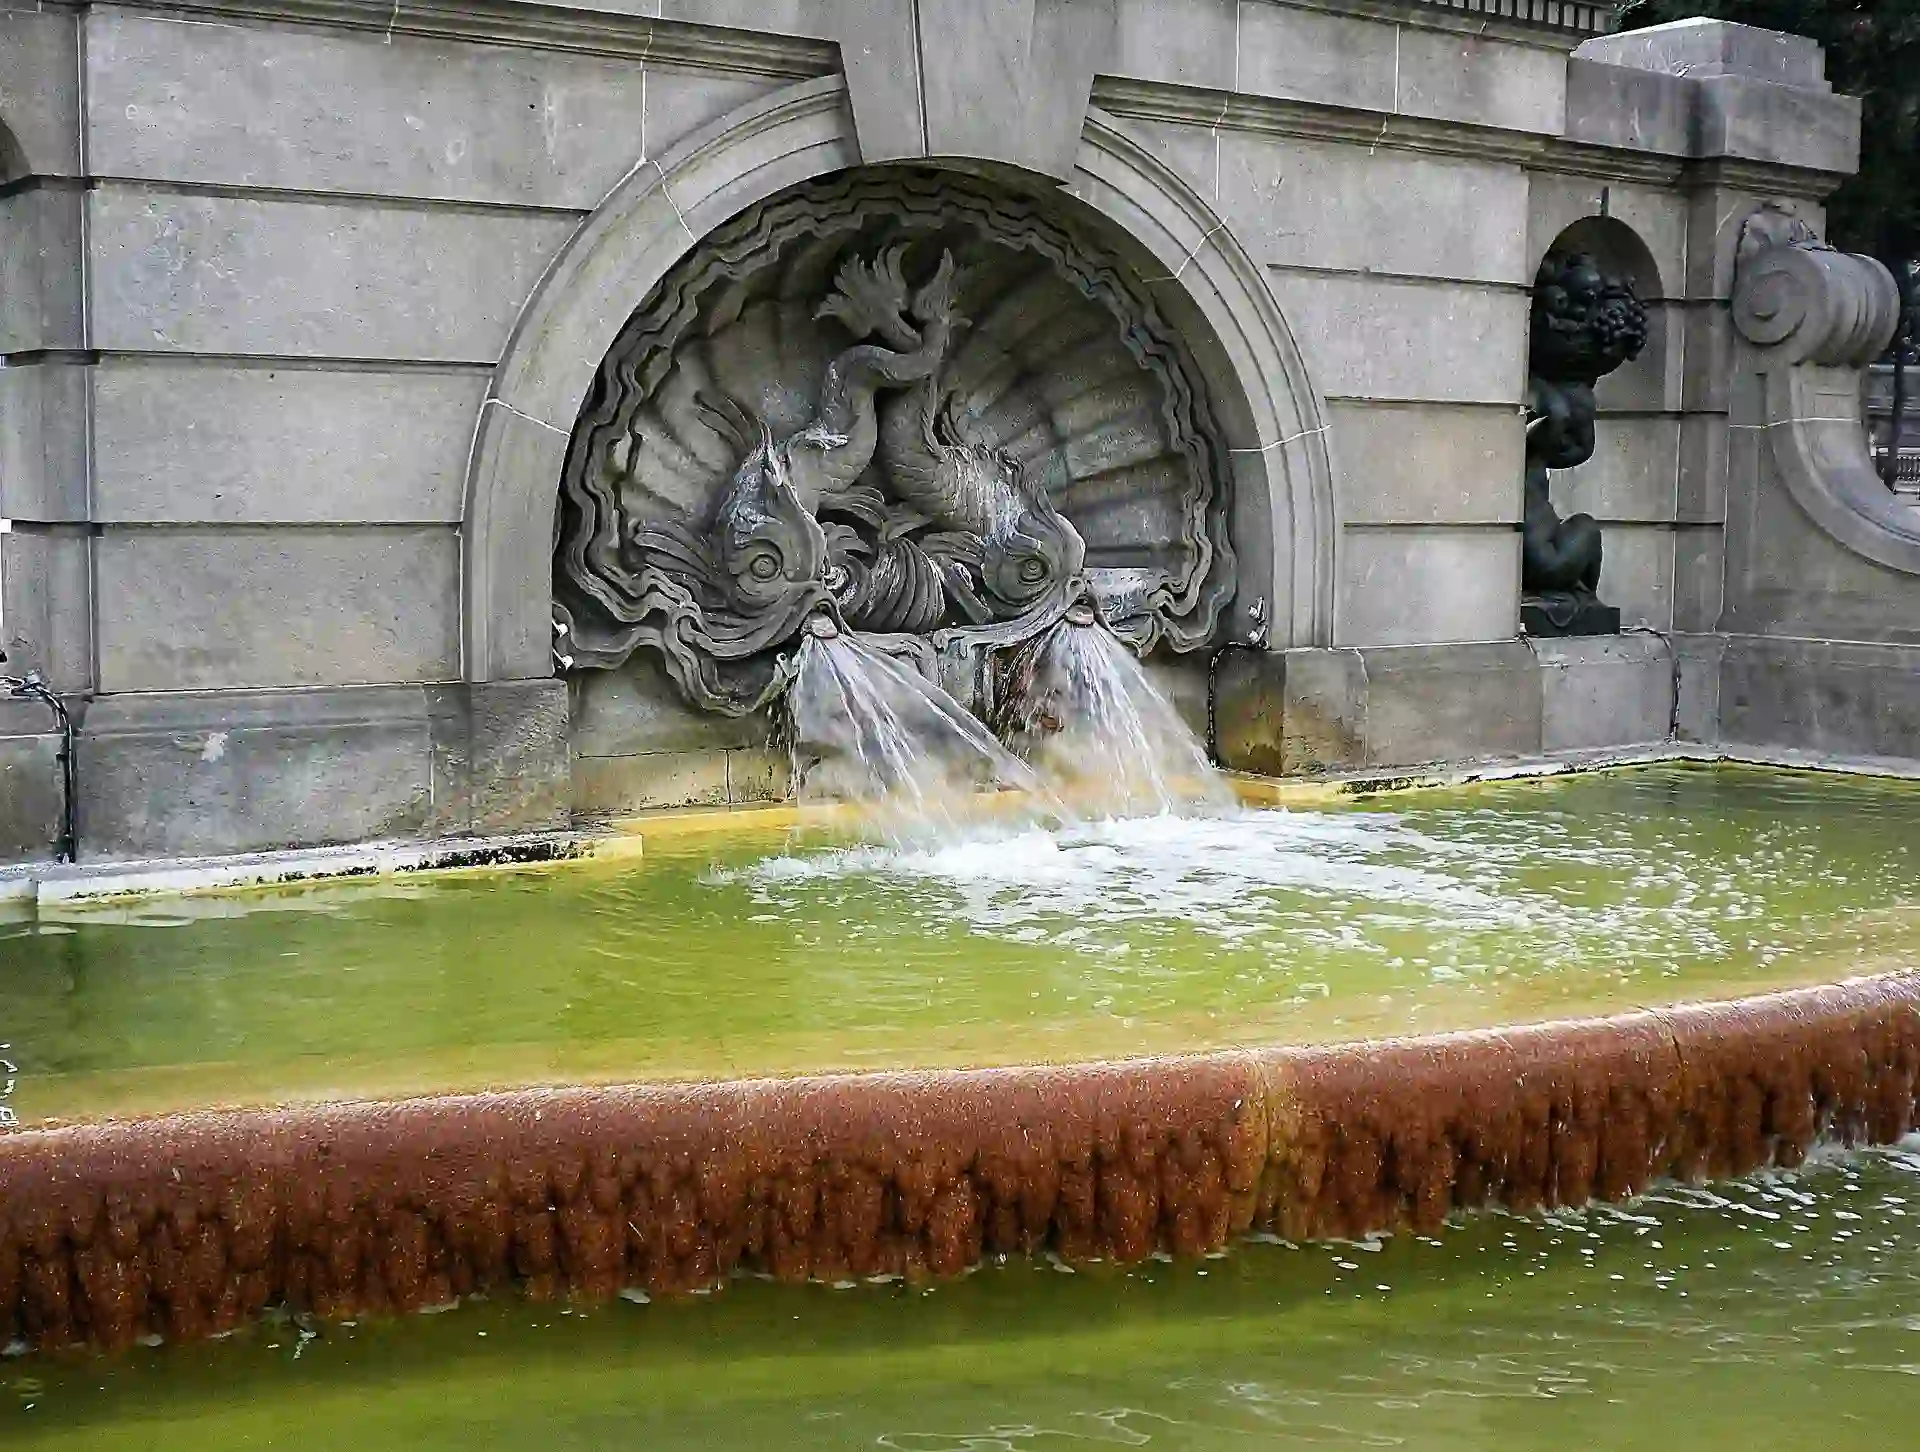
{"x":191,"y":1224}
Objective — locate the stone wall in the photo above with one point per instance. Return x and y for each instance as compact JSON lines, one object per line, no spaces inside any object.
{"x":293,"y":296}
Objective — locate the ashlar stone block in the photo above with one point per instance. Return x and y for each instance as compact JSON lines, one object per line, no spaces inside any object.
{"x":1433,"y":342}
{"x":1636,"y":574}
{"x":1427,"y":463}
{"x":1304,"y":204}
{"x":248,"y":275}
{"x":208,"y":609}
{"x":40,"y":272}
{"x":1604,"y":691}
{"x":1415,"y":586}
{"x":316,"y":110}
{"x":43,"y":441}
{"x":1311,"y":55}
{"x":1433,"y":703}
{"x":191,"y":442}
{"x":40,"y":84}
{"x":1633,"y":475}
{"x":1452,"y":76}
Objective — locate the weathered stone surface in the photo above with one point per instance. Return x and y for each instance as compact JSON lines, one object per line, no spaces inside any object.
{"x":196,"y":273}
{"x":1192,"y":151}
{"x":1345,"y":208}
{"x":1756,"y":121}
{"x":1615,"y":105}
{"x":1657,"y":219}
{"x":29,"y":789}
{"x":40,"y":81}
{"x":1702,"y":47}
{"x":1699,"y":577}
{"x":46,"y":611}
{"x":1366,"y":338}
{"x":505,"y":639}
{"x":212,"y":773}
{"x":1454,"y":77}
{"x":1416,"y":585}
{"x":40,"y":301}
{"x":518,"y":770}
{"x":1636,"y":574}
{"x":1310,"y":55}
{"x":43,"y":441}
{"x":1838,"y":697}
{"x":1696,"y":683}
{"x":191,"y":443}
{"x":311,"y":110}
{"x":610,"y":785}
{"x":1305,"y":711}
{"x":1604,"y":691}
{"x":761,"y":774}
{"x":1705,"y":458}
{"x":1291,"y":713}
{"x":197,"y":609}
{"x":635,"y":710}
{"x":1035,"y":58}
{"x":1193,"y":44}
{"x":1426,"y":463}
{"x":1757,"y":95}
{"x":1632,"y":476}
{"x":1710,"y":348}
{"x":1430,"y":703}
{"x":681,"y":102}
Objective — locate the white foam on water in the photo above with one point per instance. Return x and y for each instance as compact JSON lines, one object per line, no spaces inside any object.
{"x":1214,"y":874}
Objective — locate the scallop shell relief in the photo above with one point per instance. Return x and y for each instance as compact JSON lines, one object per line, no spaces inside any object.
{"x":924,"y":409}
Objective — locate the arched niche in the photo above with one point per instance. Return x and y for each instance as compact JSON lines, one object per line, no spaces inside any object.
{"x":1647,"y":382}
{"x":1266,"y":416}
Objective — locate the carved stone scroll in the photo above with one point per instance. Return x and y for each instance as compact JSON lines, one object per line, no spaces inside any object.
{"x":1815,"y":318}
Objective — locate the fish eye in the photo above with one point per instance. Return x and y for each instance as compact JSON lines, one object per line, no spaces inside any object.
{"x":763,"y":567}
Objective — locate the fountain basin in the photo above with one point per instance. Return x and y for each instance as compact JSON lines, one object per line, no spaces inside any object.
{"x":191,"y":1225}
{"x":1105,"y":1041}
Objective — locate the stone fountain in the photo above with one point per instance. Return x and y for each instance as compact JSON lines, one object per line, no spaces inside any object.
{"x":913,"y":409}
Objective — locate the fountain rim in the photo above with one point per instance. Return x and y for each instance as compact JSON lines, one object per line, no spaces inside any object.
{"x":1185,"y":1154}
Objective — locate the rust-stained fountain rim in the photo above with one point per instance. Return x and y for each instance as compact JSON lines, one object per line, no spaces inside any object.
{"x":191,"y":1224}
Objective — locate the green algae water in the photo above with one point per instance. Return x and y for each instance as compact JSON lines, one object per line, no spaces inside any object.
{"x":1774,"y":1315}
{"x":753,"y":955}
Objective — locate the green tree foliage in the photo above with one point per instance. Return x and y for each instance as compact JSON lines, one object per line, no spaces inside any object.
{"x":1873,"y":52}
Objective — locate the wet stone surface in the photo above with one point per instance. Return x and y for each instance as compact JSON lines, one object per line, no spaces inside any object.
{"x":1779,"y":1313}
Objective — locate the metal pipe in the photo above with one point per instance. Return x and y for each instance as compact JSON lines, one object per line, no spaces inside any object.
{"x":31,"y":687}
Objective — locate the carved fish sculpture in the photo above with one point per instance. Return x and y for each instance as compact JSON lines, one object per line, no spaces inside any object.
{"x":997,"y":528}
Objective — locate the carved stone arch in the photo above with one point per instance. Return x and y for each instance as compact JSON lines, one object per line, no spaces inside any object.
{"x":1268,"y":414}
{"x":1264,"y":398}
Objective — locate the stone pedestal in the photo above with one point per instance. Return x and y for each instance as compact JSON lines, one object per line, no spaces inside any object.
{"x":1550,"y":618}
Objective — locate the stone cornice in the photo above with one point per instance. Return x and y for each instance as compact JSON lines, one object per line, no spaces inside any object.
{"x":1536,"y":151}
{"x":527,"y":23}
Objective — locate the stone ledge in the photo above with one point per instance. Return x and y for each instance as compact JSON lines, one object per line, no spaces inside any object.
{"x":1344,"y":709}
{"x":191,"y":1225}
